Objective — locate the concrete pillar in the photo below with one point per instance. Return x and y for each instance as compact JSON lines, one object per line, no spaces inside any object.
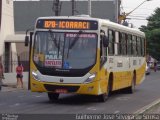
{"x":6,"y":26}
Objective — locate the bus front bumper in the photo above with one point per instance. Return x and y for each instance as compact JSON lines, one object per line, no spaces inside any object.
{"x":93,"y":88}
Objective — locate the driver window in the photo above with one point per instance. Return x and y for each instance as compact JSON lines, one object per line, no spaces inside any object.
{"x":103,"y":50}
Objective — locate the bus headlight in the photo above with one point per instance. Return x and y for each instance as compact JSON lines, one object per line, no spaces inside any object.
{"x":35,"y":75}
{"x":90,"y":78}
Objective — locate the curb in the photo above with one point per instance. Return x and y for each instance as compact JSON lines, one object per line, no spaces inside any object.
{"x":11,"y":87}
{"x":147,"y":107}
{"x":5,"y":85}
{"x":8,"y":90}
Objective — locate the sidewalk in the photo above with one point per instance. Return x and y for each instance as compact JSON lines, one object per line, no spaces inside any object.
{"x":154,"y":109}
{"x":6,"y":88}
{"x":10,"y":81}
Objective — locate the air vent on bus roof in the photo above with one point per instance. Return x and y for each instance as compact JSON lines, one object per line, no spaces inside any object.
{"x":83,"y":15}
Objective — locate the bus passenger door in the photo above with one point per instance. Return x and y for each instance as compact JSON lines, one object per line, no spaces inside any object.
{"x":103,"y":48}
{"x":103,"y":59}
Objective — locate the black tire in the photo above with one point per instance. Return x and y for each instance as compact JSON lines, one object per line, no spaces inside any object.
{"x":104,"y":97}
{"x":53,"y":96}
{"x":0,"y":87}
{"x":131,"y":89}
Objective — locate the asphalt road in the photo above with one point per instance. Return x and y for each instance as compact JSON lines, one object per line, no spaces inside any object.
{"x":23,"y":101}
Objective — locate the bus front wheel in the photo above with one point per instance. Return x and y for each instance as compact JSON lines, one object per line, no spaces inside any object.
{"x":53,"y":96}
{"x":103,"y":97}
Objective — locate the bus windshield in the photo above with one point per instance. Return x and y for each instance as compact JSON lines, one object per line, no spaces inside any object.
{"x":64,"y":50}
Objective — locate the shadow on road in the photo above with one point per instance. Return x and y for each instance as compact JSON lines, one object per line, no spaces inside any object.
{"x":74,"y":99}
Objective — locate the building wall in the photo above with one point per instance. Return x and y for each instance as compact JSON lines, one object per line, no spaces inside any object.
{"x":23,"y":55}
{"x":7,"y":28}
{"x":7,"y":23}
{"x":0,"y":12}
{"x":26,"y":12}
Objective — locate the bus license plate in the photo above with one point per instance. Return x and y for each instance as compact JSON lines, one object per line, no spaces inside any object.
{"x":61,"y":91}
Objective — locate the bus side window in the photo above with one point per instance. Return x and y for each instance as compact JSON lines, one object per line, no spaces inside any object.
{"x":123,"y":44}
{"x":134,"y":44}
{"x":120,"y":44}
{"x":129,"y":45}
{"x":116,"y":44}
{"x":111,"y":36}
{"x":142,"y":47}
{"x":139,"y":46}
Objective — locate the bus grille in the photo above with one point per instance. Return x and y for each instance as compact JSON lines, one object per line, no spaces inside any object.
{"x":54,"y":87}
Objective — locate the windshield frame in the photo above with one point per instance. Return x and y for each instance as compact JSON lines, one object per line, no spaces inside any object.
{"x":65,"y":72}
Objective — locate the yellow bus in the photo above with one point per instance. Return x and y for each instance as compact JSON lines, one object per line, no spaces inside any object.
{"x":84,"y":55}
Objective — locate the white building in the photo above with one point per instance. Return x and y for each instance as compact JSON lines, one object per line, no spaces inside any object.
{"x":6,"y":28}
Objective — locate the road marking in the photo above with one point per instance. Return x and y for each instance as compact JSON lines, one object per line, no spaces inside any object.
{"x":2,"y":104}
{"x":123,"y":98}
{"x":91,"y":108}
{"x":38,"y":96}
{"x":147,"y":107}
{"x":116,"y":112}
{"x":21,"y":96}
{"x":14,"y":105}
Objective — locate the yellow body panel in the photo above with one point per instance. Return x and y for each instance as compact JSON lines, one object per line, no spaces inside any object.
{"x":140,"y":74}
{"x":94,"y":88}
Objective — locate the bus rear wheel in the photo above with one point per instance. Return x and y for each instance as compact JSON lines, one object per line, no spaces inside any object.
{"x":53,"y":96}
{"x":131,"y":89}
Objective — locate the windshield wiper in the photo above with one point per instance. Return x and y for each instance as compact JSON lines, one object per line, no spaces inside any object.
{"x":54,"y":39}
{"x":75,"y":39}
{"x":68,"y":49}
{"x":58,"y":46}
{"x":70,"y":46}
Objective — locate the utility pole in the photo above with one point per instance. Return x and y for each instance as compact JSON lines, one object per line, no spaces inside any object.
{"x":73,"y":7}
{"x":89,"y":8}
{"x":124,"y":15}
{"x":57,"y":7}
{"x":117,"y":9}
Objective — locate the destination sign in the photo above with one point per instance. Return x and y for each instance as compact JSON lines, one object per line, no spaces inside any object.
{"x":67,"y":24}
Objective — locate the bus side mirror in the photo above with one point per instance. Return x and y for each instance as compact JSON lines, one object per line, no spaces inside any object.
{"x":105,"y":41}
{"x":26,"y":40}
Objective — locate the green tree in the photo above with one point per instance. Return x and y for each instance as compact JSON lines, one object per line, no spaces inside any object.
{"x":152,"y":31}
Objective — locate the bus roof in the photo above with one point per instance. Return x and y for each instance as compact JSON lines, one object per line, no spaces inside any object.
{"x":119,"y":27}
